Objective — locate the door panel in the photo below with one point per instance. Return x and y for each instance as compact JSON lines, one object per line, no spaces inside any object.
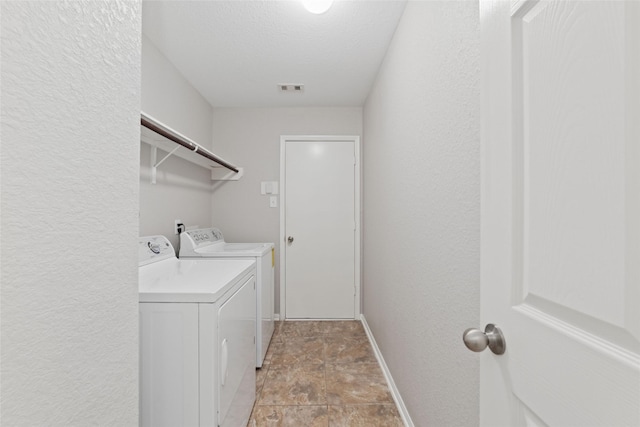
{"x":236,"y":356}
{"x":560,"y":215}
{"x":320,"y":216}
{"x":572,"y":147}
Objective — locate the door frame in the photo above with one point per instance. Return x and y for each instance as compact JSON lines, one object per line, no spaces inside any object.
{"x":358,"y":213}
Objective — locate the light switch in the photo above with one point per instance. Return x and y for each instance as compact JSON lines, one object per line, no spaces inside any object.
{"x":273,"y":202}
{"x":269,"y":187}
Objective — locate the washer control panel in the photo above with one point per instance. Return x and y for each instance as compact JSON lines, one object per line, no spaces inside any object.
{"x":153,"y":249}
{"x":203,"y":236}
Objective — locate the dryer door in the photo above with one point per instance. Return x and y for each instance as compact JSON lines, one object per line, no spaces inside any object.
{"x":236,"y":356}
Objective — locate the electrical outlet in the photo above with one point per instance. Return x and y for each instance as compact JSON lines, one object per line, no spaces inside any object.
{"x":178,"y":226}
{"x":273,"y":202}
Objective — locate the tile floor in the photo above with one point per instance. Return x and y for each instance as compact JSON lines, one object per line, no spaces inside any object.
{"x":322,"y":374}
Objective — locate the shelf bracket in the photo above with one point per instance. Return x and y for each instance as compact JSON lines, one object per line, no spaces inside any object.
{"x":154,"y":165}
{"x":220,"y":174}
{"x":160,"y":136}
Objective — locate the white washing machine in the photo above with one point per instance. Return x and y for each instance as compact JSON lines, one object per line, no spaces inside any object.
{"x":209,"y":243}
{"x":197,"y":338}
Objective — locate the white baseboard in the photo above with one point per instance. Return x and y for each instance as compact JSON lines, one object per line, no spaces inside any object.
{"x":276,"y":317}
{"x":387,"y":374}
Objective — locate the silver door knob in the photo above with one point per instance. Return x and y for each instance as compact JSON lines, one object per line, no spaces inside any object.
{"x":290,"y":239}
{"x":492,"y":337}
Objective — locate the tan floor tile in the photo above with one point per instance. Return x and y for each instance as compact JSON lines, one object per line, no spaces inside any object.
{"x":300,"y":350}
{"x":356,"y":383}
{"x":277,"y":325}
{"x":344,"y":328}
{"x":340,"y":349}
{"x":261,"y":376}
{"x":294,"y":385}
{"x":277,"y":334}
{"x":274,"y":347}
{"x":365,"y":416}
{"x":307,"y":328}
{"x":289,"y":416}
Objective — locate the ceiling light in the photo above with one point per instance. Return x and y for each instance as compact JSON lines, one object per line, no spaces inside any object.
{"x":317,"y":6}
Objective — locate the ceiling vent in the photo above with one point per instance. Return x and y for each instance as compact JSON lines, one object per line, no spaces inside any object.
{"x":291,"y":88}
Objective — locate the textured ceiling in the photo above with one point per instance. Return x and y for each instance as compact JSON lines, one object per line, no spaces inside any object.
{"x":235,"y":53}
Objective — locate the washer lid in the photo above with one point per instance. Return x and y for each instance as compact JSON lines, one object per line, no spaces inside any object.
{"x":175,"y":280}
{"x":233,"y":249}
{"x":206,"y":242}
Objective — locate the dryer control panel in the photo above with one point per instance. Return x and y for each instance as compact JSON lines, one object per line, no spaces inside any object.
{"x":154,"y":249}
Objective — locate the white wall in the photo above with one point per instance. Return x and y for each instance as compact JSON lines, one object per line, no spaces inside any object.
{"x":422,"y":210}
{"x":69,"y":226}
{"x":182,"y":189}
{"x":250,"y":137}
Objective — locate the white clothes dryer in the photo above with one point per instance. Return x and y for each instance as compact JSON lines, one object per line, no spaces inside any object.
{"x":209,"y":243}
{"x":197,"y":338}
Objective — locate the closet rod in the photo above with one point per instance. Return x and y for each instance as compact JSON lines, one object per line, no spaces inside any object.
{"x":180,"y":140}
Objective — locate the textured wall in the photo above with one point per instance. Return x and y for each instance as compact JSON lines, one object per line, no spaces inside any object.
{"x":182,"y":189}
{"x":69,"y":226}
{"x":251,"y":138}
{"x":422,"y":210}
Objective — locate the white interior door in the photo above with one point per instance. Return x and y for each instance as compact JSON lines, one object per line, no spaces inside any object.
{"x":561,"y":212}
{"x":320,"y":228}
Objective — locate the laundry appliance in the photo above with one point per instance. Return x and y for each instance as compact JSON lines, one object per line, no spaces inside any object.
{"x":209,"y":243}
{"x":197,"y":338}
